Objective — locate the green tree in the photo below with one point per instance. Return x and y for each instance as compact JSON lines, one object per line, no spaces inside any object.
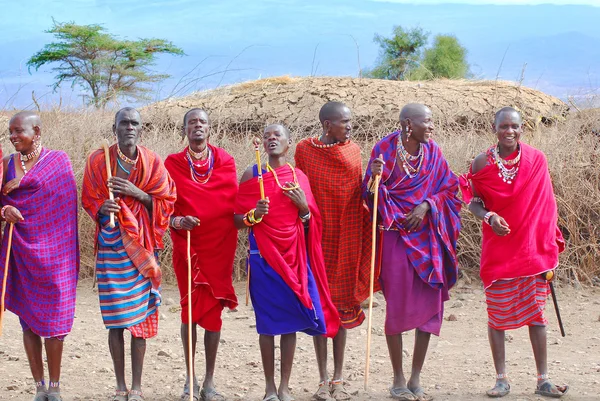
{"x":399,"y":54}
{"x":447,"y":58}
{"x":105,"y":67}
{"x":403,"y":57}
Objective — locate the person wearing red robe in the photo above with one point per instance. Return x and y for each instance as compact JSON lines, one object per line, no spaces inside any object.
{"x":509,"y":188}
{"x":206,"y":181}
{"x":288,"y":282}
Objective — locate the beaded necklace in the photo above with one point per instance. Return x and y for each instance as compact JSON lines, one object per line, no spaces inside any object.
{"x":200,"y":178}
{"x":23,"y":158}
{"x":127,"y":159}
{"x":296,"y":184}
{"x":407,"y":158}
{"x":507,"y":174}
{"x":122,"y":166}
{"x":200,"y":155}
{"x":321,"y":145}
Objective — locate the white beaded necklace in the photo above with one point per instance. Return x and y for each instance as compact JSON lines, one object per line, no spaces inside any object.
{"x":23,"y":158}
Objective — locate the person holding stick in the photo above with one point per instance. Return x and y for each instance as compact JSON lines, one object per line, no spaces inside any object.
{"x":127,"y":265}
{"x":288,"y":284}
{"x":419,"y":226}
{"x":333,"y":165}
{"x":39,"y":198}
{"x":509,"y":188}
{"x":206,"y":180}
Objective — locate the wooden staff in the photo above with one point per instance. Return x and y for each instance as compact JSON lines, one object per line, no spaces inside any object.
{"x":256,"y":143}
{"x":372,"y":278}
{"x":10,"y":233}
{"x":549,"y":276}
{"x":111,"y":196}
{"x":190,"y":348}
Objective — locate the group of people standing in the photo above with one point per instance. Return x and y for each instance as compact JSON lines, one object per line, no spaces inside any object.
{"x":309,"y":243}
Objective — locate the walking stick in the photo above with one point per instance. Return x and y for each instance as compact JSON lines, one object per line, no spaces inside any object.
{"x":10,"y":233}
{"x":111,"y":196}
{"x":549,"y":275}
{"x":372,"y":278}
{"x":190,"y":348}
{"x":256,"y":143}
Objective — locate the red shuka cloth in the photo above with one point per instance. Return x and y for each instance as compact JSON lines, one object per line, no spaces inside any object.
{"x":281,"y":241}
{"x":335,"y":174}
{"x":213,"y":243}
{"x":529,"y":207}
{"x":141,"y":231}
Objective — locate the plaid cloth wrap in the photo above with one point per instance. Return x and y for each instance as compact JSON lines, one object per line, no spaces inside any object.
{"x":335,"y":176}
{"x":431,"y":248}
{"x":141,"y":231}
{"x":44,"y":259}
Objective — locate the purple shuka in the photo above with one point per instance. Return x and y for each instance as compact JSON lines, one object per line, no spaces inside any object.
{"x":44,"y":259}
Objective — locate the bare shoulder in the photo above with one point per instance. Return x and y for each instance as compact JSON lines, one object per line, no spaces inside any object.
{"x":479,"y":163}
{"x":247,"y":174}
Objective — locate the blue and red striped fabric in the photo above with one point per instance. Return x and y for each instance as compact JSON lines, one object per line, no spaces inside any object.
{"x":44,"y":260}
{"x":431,"y":248}
{"x":517,"y":302}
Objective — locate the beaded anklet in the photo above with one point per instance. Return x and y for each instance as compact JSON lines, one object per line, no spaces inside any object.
{"x":54,"y":384}
{"x":501,"y":376}
{"x":40,"y":384}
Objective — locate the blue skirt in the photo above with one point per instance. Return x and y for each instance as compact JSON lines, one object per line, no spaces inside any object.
{"x":276,"y":307}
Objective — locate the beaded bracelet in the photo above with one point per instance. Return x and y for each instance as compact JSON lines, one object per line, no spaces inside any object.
{"x":488,"y":216}
{"x":176,"y":222}
{"x":305,"y":217}
{"x":250,"y":219}
{"x":3,"y":211}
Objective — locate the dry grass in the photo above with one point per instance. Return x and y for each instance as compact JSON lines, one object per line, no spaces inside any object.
{"x":569,"y":146}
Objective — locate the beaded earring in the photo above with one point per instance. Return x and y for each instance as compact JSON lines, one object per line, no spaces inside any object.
{"x":408,"y":134}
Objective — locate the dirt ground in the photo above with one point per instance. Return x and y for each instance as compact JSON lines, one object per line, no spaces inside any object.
{"x":458,"y":366}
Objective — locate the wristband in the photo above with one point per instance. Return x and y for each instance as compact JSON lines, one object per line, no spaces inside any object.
{"x":3,"y":211}
{"x":488,"y":216}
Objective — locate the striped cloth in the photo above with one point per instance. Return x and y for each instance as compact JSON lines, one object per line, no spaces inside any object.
{"x":44,"y":260}
{"x":431,"y":248}
{"x":335,"y":175}
{"x":517,"y":302}
{"x":127,"y":298}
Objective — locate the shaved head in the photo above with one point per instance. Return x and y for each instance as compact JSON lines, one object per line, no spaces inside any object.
{"x":331,"y":110}
{"x":29,"y":116}
{"x":124,"y":109}
{"x":507,"y":109}
{"x":282,"y":127}
{"x":413,"y":110}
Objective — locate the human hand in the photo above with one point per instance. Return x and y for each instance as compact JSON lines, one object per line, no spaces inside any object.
{"x":11,"y":186}
{"x":12,"y":215}
{"x":377,"y":166}
{"x":415,"y":217}
{"x":298,"y":197}
{"x":189,"y":223}
{"x":125,"y":187}
{"x":262,"y":208}
{"x":110,"y":206}
{"x":499,"y":225}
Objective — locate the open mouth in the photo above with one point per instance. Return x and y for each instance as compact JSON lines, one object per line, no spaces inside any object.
{"x":272,"y":145}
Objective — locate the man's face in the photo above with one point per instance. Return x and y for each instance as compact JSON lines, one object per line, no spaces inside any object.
{"x":508,"y":127}
{"x":422,"y":126}
{"x":339,"y":128}
{"x":276,"y":141}
{"x":128,"y":127}
{"x":197,"y":126}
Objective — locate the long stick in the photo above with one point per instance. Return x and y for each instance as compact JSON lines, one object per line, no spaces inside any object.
{"x":372,"y":278}
{"x":560,"y":323}
{"x":189,"y":294}
{"x":261,"y":185}
{"x":10,"y":233}
{"x":111,"y":196}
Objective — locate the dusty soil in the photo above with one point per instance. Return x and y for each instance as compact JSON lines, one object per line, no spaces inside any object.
{"x":458,"y":367}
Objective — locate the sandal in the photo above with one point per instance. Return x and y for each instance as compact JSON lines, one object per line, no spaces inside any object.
{"x":40,"y":396}
{"x":322,"y":393}
{"x":272,"y":397}
{"x":120,"y":395}
{"x":499,"y":390}
{"x":546,"y":387}
{"x":402,"y":394}
{"x":54,"y":397}
{"x":421,"y":394}
{"x":338,"y":391}
{"x":186,"y":392}
{"x":211,"y":394}
{"x":135,"y":395}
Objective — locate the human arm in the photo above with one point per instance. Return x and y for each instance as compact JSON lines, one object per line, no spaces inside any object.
{"x":262,"y":205}
{"x":477,"y":206}
{"x":126,"y":187}
{"x":184,"y":222}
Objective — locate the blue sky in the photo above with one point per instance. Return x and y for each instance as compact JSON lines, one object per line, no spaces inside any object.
{"x":556,"y":44}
